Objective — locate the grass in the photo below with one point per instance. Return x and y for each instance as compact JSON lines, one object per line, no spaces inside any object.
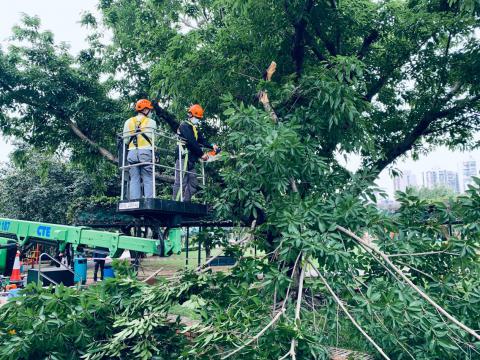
{"x":174,"y":263}
{"x":177,"y":262}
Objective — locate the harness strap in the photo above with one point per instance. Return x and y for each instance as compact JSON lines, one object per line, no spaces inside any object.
{"x":138,"y":128}
{"x":194,"y":128}
{"x":185,"y":167}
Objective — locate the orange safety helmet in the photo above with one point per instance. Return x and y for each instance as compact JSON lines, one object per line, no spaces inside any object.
{"x":143,"y":104}
{"x":196,"y":110}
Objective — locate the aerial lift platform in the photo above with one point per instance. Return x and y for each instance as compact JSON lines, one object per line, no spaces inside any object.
{"x":162,"y":216}
{"x":155,"y":228}
{"x":169,"y":213}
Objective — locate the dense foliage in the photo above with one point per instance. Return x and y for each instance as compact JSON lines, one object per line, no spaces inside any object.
{"x":378,"y":78}
{"x":67,"y":323}
{"x":125,"y":316}
{"x":39,"y":187}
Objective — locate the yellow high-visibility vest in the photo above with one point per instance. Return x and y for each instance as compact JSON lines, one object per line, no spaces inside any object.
{"x":134,"y":126}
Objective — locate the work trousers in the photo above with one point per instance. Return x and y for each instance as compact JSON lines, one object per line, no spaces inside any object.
{"x":99,"y":264}
{"x":189,"y":182}
{"x":140,"y":172}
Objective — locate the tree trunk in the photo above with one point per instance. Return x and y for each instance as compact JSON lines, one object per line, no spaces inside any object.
{"x":104,"y":152}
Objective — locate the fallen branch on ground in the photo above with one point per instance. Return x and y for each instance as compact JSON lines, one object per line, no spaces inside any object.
{"x":260,"y":333}
{"x":410,"y":283}
{"x":342,"y":306}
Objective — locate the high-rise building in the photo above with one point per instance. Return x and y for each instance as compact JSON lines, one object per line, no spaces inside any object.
{"x":469,"y":168}
{"x":430,"y":179}
{"x":447,"y":178}
{"x":407,"y":179}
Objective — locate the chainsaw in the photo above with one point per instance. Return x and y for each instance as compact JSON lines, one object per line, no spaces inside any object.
{"x":213,"y":155}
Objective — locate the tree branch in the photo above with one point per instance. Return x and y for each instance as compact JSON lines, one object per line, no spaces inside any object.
{"x":367,"y":42}
{"x":260,"y":333}
{"x":329,"y":45}
{"x":459,"y":107}
{"x":104,"y":152}
{"x":166,"y":116}
{"x":382,"y":80}
{"x":300,"y":25}
{"x":297,"y":311}
{"x":420,"y":129}
{"x":377,"y":86}
{"x":449,"y":126}
{"x":71,"y":124}
{"x":263,"y":96}
{"x":342,"y":306}
{"x":424,"y":253}
{"x":316,"y":50}
{"x":273,"y":321}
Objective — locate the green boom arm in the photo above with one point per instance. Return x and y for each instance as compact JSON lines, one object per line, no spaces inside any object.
{"x":26,"y":231}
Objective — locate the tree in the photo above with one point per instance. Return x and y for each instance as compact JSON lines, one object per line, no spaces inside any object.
{"x":41,"y":188}
{"x":373,"y":86}
{"x":437,"y":193}
{"x":375,"y":78}
{"x":52,"y":101}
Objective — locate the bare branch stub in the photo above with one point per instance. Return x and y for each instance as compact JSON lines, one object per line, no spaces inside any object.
{"x":263,"y":96}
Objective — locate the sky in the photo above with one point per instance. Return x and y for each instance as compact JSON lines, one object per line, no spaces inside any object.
{"x":62,"y":18}
{"x":59,"y":16}
{"x":441,"y":159}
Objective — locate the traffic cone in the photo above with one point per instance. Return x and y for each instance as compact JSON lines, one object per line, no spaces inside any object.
{"x":16,"y":277}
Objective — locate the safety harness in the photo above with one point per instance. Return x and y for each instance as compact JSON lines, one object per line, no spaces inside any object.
{"x":136,"y":127}
{"x":182,"y":151}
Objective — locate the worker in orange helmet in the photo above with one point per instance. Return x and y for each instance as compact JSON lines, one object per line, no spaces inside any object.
{"x":140,"y":150}
{"x":194,"y":140}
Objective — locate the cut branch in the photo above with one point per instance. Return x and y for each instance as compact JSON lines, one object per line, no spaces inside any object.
{"x":297,"y":311}
{"x":263,"y":96}
{"x":423,"y":254}
{"x":273,"y":321}
{"x":410,"y":283}
{"x":417,"y":270}
{"x":342,"y":306}
{"x":293,"y":184}
{"x":146,"y":280}
{"x":260,"y":333}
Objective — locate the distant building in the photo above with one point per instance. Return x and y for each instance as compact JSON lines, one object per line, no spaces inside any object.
{"x":430,"y":179}
{"x":446,"y":178}
{"x":449,"y":179}
{"x":407,"y":179}
{"x":469,"y":169}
